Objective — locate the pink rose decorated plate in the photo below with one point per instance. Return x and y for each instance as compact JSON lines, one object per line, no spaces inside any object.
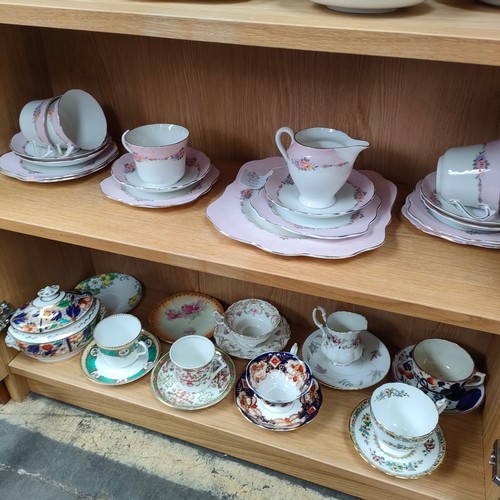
{"x":181,"y":314}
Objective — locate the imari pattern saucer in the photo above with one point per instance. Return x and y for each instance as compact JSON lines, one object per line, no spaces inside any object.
{"x":297,"y":415}
{"x":421,"y":462}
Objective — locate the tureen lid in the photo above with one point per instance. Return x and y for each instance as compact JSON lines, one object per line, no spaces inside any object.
{"x":52,"y":309}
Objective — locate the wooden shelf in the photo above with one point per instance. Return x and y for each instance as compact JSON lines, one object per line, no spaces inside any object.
{"x":442,"y":30}
{"x":321,"y":452}
{"x":412,"y":273}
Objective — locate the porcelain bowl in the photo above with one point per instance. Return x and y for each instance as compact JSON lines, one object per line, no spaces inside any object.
{"x":55,"y":326}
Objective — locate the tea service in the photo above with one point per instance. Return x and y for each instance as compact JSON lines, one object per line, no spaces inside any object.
{"x":396,"y":430}
{"x":160,"y":170}
{"x":441,"y":368}
{"x":193,"y":374}
{"x":342,"y":354}
{"x":120,"y":352}
{"x":62,"y":138}
{"x":265,"y":208}
{"x":250,"y":327}
{"x":460,"y":200}
{"x":278,"y":392}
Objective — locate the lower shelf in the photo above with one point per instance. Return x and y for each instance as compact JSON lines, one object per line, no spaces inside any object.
{"x":321,"y":452}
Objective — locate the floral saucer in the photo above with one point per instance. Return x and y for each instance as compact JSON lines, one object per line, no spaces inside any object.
{"x":167,"y":389}
{"x":197,"y":166}
{"x":98,"y":371}
{"x":352,"y":196}
{"x":421,"y":462}
{"x":343,"y":226}
{"x":459,"y":402}
{"x":119,"y":293}
{"x":181,"y":314}
{"x":368,"y":370}
{"x":137,"y":198}
{"x":12,"y":165}
{"x":229,"y":344}
{"x":299,"y":414}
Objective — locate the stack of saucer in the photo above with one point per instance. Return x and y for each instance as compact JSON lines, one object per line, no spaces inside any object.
{"x":431,"y":213}
{"x":262,"y":208}
{"x":22,"y":162}
{"x":125,"y":186}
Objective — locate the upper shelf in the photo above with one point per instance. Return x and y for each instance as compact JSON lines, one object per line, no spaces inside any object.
{"x":412,"y":273}
{"x":442,"y":30}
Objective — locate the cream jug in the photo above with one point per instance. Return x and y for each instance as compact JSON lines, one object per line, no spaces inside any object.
{"x":341,"y":343}
{"x":320,"y":160}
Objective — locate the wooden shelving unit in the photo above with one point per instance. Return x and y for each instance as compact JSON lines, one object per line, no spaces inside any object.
{"x":413,"y":83}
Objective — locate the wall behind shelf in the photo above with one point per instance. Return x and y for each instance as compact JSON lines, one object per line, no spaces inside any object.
{"x":234,"y":98}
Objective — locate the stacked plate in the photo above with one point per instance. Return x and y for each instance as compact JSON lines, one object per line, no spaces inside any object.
{"x":125,"y":186}
{"x":23,"y":162}
{"x":261,"y":208}
{"x":430,"y":213}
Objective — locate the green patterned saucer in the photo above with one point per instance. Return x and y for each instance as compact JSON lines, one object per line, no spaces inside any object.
{"x":96,"y":369}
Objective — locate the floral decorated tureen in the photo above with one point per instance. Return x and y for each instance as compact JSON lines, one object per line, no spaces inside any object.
{"x":56,"y":325}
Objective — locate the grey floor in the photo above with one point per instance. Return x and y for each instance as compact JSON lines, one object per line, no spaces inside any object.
{"x":53,"y":451}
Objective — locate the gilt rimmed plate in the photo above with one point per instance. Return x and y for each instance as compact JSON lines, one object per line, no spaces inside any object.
{"x":367,"y":6}
{"x":343,"y":226}
{"x":136,"y":198}
{"x":233,"y":216}
{"x":118,"y":292}
{"x":98,"y":371}
{"x":197,"y":167}
{"x":368,"y":370}
{"x":300,"y":413}
{"x":185,"y":313}
{"x":12,"y":165}
{"x":25,"y":149}
{"x":352,"y":196}
{"x":421,"y":462}
{"x":167,"y":389}
{"x":420,"y":216}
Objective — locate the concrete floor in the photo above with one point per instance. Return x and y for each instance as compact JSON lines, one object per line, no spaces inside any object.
{"x":53,"y":451}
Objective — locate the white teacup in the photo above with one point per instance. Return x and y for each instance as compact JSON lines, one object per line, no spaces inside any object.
{"x":403,"y":417}
{"x":159,"y":152}
{"x":469,"y":178}
{"x":250,"y":321}
{"x":320,"y":160}
{"x":196,"y":362}
{"x":75,"y":121}
{"x":32,"y":122}
{"x":118,"y":340}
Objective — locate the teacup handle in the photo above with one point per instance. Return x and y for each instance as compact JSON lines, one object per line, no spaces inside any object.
{"x":321,"y":325}
{"x":218,"y":318}
{"x":124,"y":142}
{"x":488,"y":212}
{"x":222,"y":364}
{"x":46,"y":147}
{"x":142,"y":348}
{"x":476,"y":379}
{"x":279,"y":133}
{"x":70,"y":149}
{"x":441,"y":404}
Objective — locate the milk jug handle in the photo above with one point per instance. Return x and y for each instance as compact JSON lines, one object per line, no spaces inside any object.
{"x":321,"y":325}
{"x":279,"y":133}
